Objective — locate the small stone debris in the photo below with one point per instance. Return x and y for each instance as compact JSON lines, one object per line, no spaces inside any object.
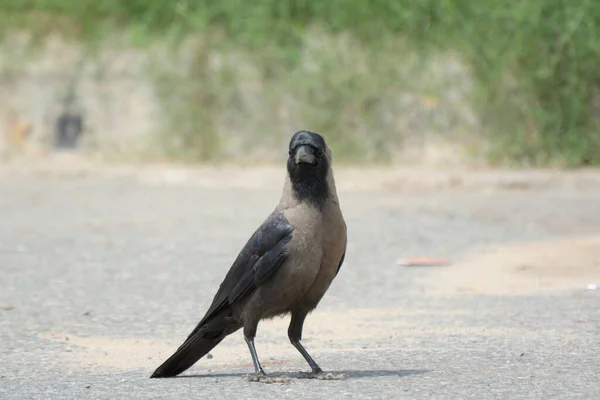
{"x":325,"y":376}
{"x":268,"y":379}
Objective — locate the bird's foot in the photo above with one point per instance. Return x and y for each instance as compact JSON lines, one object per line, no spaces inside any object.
{"x":319,"y":374}
{"x":264,"y":378}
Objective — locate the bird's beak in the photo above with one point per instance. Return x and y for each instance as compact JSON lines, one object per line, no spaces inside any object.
{"x":305,"y":154}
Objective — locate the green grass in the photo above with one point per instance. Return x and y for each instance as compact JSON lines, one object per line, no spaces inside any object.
{"x":535,"y":62}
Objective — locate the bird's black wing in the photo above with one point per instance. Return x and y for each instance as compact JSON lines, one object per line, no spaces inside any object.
{"x":263,"y":254}
{"x":340,"y":264}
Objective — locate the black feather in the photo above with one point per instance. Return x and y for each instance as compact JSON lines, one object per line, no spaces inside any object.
{"x":340,"y":264}
{"x":264,"y":251}
{"x":263,"y":254}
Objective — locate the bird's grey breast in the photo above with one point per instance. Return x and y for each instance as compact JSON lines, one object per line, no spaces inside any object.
{"x":306,"y":237}
{"x":334,"y":240}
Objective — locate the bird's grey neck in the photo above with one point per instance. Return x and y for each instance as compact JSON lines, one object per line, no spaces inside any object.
{"x":313,"y":191}
{"x":315,"y":194}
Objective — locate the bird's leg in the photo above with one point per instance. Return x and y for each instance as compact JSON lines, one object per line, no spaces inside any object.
{"x":257,"y":367}
{"x":259,"y":373}
{"x":249,"y":334}
{"x":295,"y":335}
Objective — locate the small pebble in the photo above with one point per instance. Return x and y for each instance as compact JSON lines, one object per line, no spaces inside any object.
{"x":424,"y":262}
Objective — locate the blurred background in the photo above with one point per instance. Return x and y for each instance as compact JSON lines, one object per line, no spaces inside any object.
{"x":436,"y":82}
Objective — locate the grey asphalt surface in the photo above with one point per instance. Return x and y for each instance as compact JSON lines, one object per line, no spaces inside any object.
{"x":116,"y":261}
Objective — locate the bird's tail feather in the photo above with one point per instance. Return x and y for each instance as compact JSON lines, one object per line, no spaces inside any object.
{"x":196,"y":346}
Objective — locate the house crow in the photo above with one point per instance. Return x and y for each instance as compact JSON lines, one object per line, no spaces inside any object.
{"x":286,"y":266}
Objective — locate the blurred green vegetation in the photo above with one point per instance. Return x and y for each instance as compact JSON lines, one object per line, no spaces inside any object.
{"x":536,"y":62}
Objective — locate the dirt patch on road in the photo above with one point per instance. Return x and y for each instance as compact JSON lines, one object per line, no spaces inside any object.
{"x":394,"y":178}
{"x":326,"y":332}
{"x":558,"y":265}
{"x":516,"y":269}
{"x":331,"y":331}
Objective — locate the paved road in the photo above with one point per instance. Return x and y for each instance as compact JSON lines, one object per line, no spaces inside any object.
{"x":102,"y":277}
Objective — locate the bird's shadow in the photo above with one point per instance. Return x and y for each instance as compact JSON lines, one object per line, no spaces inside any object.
{"x":349,"y":374}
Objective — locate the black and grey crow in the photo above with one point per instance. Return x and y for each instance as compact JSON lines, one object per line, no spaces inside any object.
{"x":286,"y":266}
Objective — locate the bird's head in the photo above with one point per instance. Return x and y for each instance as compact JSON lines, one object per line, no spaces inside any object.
{"x":308,"y":165}
{"x":308,"y":154}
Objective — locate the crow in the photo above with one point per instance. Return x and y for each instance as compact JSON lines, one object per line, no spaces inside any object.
{"x":286,"y":266}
